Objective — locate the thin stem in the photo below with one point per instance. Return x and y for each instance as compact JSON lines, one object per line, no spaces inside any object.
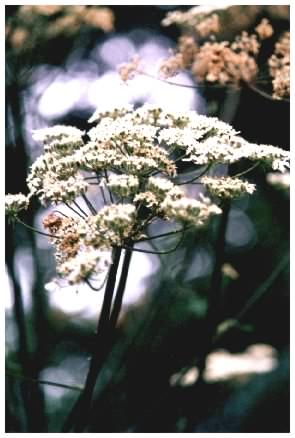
{"x":257,"y":295}
{"x":158,"y":236}
{"x":42,"y":382}
{"x":76,"y":212}
{"x":37,"y":231}
{"x":196,"y":87}
{"x":103,"y":195}
{"x":246,"y":171}
{"x":266,"y":95}
{"x":60,"y":212}
{"x":264,"y":287}
{"x":107,"y":179}
{"x":155,"y":252}
{"x":96,"y":289}
{"x":101,"y":190}
{"x":196,"y":177}
{"x":89,"y":205}
{"x":80,"y":209}
{"x":180,"y":158}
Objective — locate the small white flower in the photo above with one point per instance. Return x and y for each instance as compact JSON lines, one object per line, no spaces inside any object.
{"x":111,"y":225}
{"x":227,"y":187}
{"x":87,"y":262}
{"x":122,"y":185}
{"x":112,"y":112}
{"x":56,"y":191}
{"x":277,"y":158}
{"x":189,"y":210}
{"x":159,"y":185}
{"x":15,"y":203}
{"x":57,"y":132}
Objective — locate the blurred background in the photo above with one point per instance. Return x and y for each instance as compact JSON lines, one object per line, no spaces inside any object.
{"x":165,"y":373}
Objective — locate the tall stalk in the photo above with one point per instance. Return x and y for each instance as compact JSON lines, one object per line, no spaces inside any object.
{"x":78,"y":418}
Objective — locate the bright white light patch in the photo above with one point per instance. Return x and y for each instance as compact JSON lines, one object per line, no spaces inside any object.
{"x":117,"y":50}
{"x":87,"y":303}
{"x":61,"y":96}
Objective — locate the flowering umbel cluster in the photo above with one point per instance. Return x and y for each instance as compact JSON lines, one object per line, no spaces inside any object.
{"x":217,"y":50}
{"x":123,"y":174}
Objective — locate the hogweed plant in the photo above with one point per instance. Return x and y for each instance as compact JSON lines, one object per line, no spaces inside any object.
{"x":118,"y":179}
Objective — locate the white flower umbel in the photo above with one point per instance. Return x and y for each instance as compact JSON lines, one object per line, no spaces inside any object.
{"x":88,"y":262}
{"x":59,"y":137}
{"x":57,"y":132}
{"x":212,"y":150}
{"x":277,"y":158}
{"x":131,"y":161}
{"x":112,"y":225}
{"x":189,"y":211}
{"x":227,"y":187}
{"x":157,"y":189}
{"x":121,"y":185}
{"x":197,"y":129}
{"x":57,"y":191}
{"x":15,"y":203}
{"x":122,"y":130}
{"x":159,"y":185}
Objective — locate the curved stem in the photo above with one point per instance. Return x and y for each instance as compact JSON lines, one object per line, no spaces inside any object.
{"x":60,"y":212}
{"x":155,"y":252}
{"x":196,"y":177}
{"x":246,"y":171}
{"x":158,"y":236}
{"x":266,"y":95}
{"x":96,"y":289}
{"x":71,"y":208}
{"x":37,"y":231}
{"x":196,"y":87}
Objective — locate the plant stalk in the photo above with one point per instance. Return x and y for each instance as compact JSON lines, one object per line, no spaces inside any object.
{"x":78,"y":418}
